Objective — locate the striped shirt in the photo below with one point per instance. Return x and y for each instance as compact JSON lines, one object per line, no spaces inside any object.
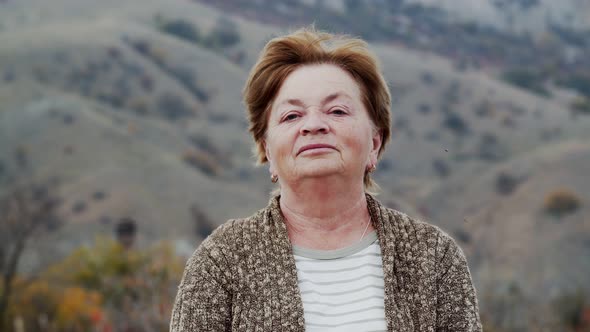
{"x":342,"y":290}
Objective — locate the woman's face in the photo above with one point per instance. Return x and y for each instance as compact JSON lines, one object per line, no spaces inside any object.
{"x":318,"y":127}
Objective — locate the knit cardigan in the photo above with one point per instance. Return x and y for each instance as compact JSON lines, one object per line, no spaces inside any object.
{"x":243,"y":277}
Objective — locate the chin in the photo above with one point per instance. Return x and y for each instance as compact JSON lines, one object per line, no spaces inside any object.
{"x":318,"y":171}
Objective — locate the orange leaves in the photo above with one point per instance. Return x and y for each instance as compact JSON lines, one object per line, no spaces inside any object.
{"x":78,"y":306}
{"x":101,"y":288}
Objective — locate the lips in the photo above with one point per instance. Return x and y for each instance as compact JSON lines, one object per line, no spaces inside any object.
{"x":314,"y":146}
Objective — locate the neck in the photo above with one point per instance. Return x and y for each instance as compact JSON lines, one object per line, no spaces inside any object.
{"x":323,"y":215}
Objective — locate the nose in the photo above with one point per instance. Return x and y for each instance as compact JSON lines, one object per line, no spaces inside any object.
{"x":314,"y":124}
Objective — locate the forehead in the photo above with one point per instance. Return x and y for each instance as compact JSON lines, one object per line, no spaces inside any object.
{"x":312,"y":83}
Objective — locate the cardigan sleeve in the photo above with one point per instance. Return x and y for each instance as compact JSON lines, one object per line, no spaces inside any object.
{"x":457,"y":308}
{"x":203,"y":301}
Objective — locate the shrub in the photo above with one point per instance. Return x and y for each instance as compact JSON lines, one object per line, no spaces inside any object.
{"x":526,"y":79}
{"x":578,"y":82}
{"x":141,"y":46}
{"x":112,"y":98}
{"x":188,"y":79}
{"x":424,"y":108}
{"x":99,"y":195}
{"x":572,"y":309}
{"x":485,"y":109}
{"x":79,"y":207}
{"x":100,"y":288}
{"x":42,"y":74}
{"x":490,"y":149}
{"x":202,"y":223}
{"x":433,"y":136}
{"x":551,"y":133}
{"x":401,"y":122}
{"x":173,"y":107}
{"x":427,"y":78}
{"x":224,"y":34}
{"x":159,"y":55}
{"x":147,"y":83}
{"x":516,"y":110}
{"x":78,"y":308}
{"x":441,"y":168}
{"x":561,"y":202}
{"x":114,"y":52}
{"x":508,"y":121}
{"x":353,"y":5}
{"x":34,"y":299}
{"x":68,"y":150}
{"x":463,"y":236}
{"x":204,"y":143}
{"x":202,"y":161}
{"x":21,"y":156}
{"x":456,"y":123}
{"x":182,"y":29}
{"x":139,"y":104}
{"x":506,"y":308}
{"x":238,"y":57}
{"x":68,"y":119}
{"x":506,"y":183}
{"x":8,"y":75}
{"x":581,"y":106}
{"x":385,"y":165}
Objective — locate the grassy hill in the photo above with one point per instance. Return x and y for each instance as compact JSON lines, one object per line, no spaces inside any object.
{"x":135,"y":107}
{"x":533,"y":16}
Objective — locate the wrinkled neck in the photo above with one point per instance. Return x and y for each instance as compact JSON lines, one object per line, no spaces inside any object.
{"x":326,"y":216}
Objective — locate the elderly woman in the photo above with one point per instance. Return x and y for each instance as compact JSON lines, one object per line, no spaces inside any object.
{"x":324,"y":255}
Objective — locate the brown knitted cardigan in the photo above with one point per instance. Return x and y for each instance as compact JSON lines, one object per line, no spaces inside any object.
{"x":243,"y":277}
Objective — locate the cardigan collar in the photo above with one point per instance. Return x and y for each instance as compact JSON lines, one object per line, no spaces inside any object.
{"x":397,"y":313}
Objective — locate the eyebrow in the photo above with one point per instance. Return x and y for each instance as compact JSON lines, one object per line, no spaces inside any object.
{"x":329,"y":98}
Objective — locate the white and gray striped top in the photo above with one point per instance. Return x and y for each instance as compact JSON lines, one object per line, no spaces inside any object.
{"x":342,"y":290}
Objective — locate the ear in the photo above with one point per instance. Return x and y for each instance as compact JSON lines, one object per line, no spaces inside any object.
{"x":268,"y":157}
{"x":376,"y":141}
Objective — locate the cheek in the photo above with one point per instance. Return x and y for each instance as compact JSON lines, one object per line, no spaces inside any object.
{"x":358,"y":140}
{"x":279,"y":146}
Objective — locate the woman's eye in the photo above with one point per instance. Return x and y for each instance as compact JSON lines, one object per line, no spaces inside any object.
{"x":290,"y":117}
{"x":338,"y":112}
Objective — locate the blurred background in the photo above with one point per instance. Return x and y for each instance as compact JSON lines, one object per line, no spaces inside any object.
{"x":124,"y":143}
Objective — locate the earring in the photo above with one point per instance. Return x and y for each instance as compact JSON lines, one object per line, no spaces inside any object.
{"x":274,"y":178}
{"x":372,"y":168}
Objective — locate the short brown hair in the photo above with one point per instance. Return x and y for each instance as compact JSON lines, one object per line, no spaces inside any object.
{"x":307,"y":46}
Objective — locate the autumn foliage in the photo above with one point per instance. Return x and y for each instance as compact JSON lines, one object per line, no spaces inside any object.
{"x":100,"y":288}
{"x":561,"y":202}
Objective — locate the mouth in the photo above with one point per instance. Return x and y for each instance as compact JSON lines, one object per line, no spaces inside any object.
{"x":315,"y":146}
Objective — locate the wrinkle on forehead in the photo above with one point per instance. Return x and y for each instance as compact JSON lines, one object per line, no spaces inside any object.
{"x":330,"y":98}
{"x":341,"y":83}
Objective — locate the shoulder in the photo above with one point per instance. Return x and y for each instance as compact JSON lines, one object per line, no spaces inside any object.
{"x":216,"y":257}
{"x":230,"y":236}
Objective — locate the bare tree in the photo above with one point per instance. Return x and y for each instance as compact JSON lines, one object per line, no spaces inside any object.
{"x":24,"y":209}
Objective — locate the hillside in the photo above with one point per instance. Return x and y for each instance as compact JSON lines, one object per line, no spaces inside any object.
{"x":533,"y":16}
{"x":135,"y":107}
{"x":532,"y":44}
{"x":122,"y":116}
